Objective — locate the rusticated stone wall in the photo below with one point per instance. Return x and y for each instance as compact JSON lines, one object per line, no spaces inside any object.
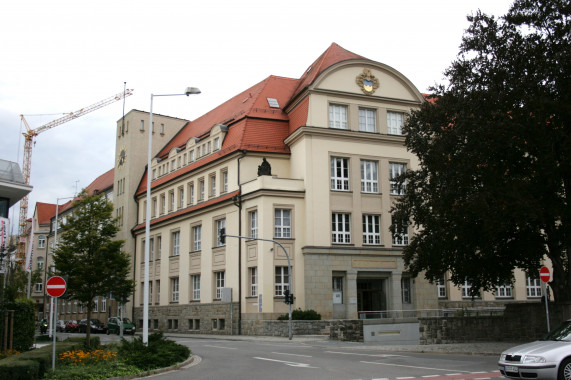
{"x":281,"y":328}
{"x":348,"y":330}
{"x":521,"y":322}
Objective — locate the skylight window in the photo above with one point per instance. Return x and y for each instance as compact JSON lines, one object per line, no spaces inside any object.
{"x":273,"y":103}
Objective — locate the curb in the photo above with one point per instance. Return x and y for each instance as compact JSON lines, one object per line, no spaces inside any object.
{"x":190,"y":362}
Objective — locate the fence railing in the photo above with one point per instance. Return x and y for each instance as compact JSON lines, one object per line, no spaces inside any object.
{"x":420,"y":313}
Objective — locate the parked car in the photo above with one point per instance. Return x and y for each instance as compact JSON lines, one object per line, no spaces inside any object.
{"x":549,"y":358}
{"x":71,"y":326}
{"x":113,"y":326}
{"x":60,"y":325}
{"x":97,"y":327}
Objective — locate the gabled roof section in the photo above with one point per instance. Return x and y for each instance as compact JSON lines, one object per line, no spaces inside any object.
{"x":334,"y":54}
{"x":101,"y":183}
{"x":44,"y":212}
{"x":249,"y":103}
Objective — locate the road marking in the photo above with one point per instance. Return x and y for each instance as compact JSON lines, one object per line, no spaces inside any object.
{"x":285,"y":353}
{"x":291,"y":364}
{"x":373,"y":355}
{"x":410,"y":366}
{"x":431,"y":376}
{"x":226,"y":348}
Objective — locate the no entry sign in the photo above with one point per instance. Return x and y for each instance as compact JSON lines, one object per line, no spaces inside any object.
{"x":55,"y":286}
{"x":544,"y":274}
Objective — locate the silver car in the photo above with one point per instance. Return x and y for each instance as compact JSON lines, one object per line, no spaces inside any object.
{"x":549,"y":358}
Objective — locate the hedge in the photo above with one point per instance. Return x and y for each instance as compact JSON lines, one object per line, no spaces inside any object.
{"x":24,"y":323}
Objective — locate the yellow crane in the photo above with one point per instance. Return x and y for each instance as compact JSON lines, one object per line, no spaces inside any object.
{"x":29,"y":136}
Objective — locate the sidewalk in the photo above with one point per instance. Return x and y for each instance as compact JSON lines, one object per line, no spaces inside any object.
{"x":476,"y":348}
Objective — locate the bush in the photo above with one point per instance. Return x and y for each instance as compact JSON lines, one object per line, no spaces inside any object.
{"x":159,"y":352}
{"x":301,"y":315}
{"x":93,"y":372}
{"x":24,"y":323}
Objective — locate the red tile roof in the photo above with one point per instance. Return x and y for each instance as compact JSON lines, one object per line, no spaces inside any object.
{"x":101,"y":183}
{"x":45,"y":212}
{"x":253,"y":124}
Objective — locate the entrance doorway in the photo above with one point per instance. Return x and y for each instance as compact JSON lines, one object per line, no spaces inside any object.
{"x":371,"y":297}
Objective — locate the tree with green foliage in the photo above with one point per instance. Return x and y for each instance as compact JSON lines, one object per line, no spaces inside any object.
{"x":494,"y":146}
{"x":89,"y":256}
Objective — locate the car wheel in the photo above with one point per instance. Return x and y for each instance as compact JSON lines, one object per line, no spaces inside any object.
{"x":565,"y":370}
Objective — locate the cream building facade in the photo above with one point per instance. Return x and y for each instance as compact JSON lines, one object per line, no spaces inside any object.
{"x":333,"y":141}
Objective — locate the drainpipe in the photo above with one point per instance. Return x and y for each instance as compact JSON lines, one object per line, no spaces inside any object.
{"x":238,"y":203}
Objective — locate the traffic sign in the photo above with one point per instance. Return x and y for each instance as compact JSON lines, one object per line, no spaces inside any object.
{"x":544,"y":274}
{"x":56,"y":286}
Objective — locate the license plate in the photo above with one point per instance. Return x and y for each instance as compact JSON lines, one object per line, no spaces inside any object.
{"x":511,"y":368}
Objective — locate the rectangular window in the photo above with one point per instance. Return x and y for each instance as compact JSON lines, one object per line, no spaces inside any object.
{"x":337,"y":288}
{"x":42,"y":241}
{"x":158,"y":292}
{"x":163,"y":204}
{"x":154,"y":207}
{"x":219,"y":276}
{"x":395,"y":170}
{"x":180,"y":197}
{"x":197,"y":238}
{"x":174,"y":289}
{"x":371,"y":229}
{"x":191,"y":194}
{"x":405,"y":290}
{"x":338,"y":116}
{"x":341,"y":228}
{"x":216,"y":143}
{"x":282,"y":223}
{"x":96,"y":305}
{"x":191,"y":156}
{"x":504,"y":290}
{"x":254,"y":224}
{"x":367,"y":120}
{"x":369,"y":177}
{"x":533,"y":287}
{"x":281,"y":281}
{"x":213,"y":185}
{"x":253,"y":281}
{"x":142,"y":125}
{"x":201,"y":190}
{"x":151,"y":249}
{"x":441,"y":287}
{"x":395,"y":122}
{"x":225,"y":181}
{"x":39,"y":286}
{"x":150,"y":292}
{"x":103,"y":305}
{"x":159,"y":247}
{"x":171,"y":201}
{"x":339,"y":173}
{"x":400,"y":236}
{"x":175,"y":243}
{"x":466,"y":286}
{"x":220,"y":224}
{"x":195,"y":281}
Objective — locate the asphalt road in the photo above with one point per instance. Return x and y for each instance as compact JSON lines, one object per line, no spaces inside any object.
{"x":258,"y":359}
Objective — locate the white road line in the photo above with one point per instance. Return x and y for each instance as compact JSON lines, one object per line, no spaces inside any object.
{"x":226,"y":348}
{"x":403,"y":378}
{"x":285,"y":353}
{"x":291,"y":364}
{"x":410,"y":366}
{"x":373,"y":355}
{"x":452,"y":374}
{"x":431,"y":376}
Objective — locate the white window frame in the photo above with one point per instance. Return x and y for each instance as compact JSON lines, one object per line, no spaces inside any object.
{"x":195,"y":281}
{"x":174,"y":289}
{"x":282,"y":223}
{"x":213,"y":185}
{"x":220,"y":223}
{"x":338,"y":116}
{"x":339,"y":173}
{"x":406,"y":290}
{"x":180,"y":197}
{"x":41,"y":241}
{"x":197,"y":238}
{"x":103,"y":305}
{"x":253,"y":275}
{"x":281,"y":279}
{"x":371,"y":229}
{"x":225,"y":181}
{"x":253,"y":224}
{"x":220,"y":279}
{"x":367,"y":120}
{"x":341,"y":228}
{"x":441,"y":287}
{"x":396,"y":169}
{"x":395,"y":122}
{"x":466,"y":286}
{"x":175,"y":243}
{"x":369,"y":176}
{"x":504,"y":290}
{"x":533,"y":287}
{"x":400,"y":238}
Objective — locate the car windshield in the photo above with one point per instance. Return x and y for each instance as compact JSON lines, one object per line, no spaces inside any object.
{"x":562,"y":332}
{"x":126,"y":321}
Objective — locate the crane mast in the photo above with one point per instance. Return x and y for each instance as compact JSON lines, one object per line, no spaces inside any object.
{"x":29,"y":136}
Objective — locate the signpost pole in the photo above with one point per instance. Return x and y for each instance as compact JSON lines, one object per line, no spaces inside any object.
{"x":545,"y":276}
{"x":54,"y":343}
{"x":55,"y":287}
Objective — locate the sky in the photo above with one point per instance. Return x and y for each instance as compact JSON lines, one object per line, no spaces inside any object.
{"x":60,"y":56}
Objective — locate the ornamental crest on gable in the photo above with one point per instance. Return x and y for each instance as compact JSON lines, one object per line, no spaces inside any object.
{"x":367,"y":82}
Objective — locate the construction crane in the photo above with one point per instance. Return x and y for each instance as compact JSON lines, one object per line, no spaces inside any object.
{"x":29,"y":136}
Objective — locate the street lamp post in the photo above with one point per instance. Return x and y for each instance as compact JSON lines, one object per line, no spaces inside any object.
{"x":187,"y":92}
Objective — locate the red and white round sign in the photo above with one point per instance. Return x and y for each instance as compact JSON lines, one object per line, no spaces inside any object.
{"x":544,"y":274}
{"x":56,"y":286}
